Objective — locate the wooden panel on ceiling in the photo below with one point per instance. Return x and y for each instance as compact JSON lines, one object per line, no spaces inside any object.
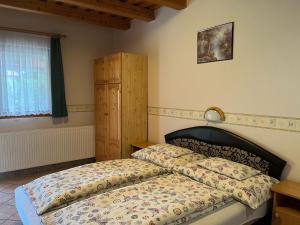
{"x":50,"y":7}
{"x":175,"y":4}
{"x":110,"y":13}
{"x":114,"y":7}
{"x":144,"y":4}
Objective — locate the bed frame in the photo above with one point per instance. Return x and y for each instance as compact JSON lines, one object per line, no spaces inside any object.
{"x":216,"y":142}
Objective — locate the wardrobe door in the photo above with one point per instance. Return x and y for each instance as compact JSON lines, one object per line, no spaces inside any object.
{"x":101,"y":120}
{"x":114,"y":121}
{"x":112,"y":65}
{"x":134,"y":101}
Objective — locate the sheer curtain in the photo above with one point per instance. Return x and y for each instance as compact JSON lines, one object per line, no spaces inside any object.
{"x":24,"y":74}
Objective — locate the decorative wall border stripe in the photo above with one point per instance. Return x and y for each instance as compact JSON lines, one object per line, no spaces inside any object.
{"x":81,"y":108}
{"x":261,"y":121}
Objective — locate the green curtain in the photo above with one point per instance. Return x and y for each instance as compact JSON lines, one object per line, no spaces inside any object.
{"x":59,"y":107}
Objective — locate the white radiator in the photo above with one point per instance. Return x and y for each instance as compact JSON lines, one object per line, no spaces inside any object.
{"x":26,"y":149}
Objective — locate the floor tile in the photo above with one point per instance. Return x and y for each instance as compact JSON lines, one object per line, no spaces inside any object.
{"x":11,"y":202}
{"x":27,"y":179}
{"x":4,"y":185}
{"x":4,"y":181}
{"x":6,"y":211}
{"x":4,"y":197}
{"x":12,"y":222}
{"x":9,"y":188}
{"x":15,"y":180}
{"x":14,"y":217}
{"x":9,"y":180}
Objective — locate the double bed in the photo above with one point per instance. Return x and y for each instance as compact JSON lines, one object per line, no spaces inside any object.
{"x":209,"y":141}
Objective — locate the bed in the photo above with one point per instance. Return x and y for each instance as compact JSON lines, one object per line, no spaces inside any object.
{"x":212,"y":142}
{"x":233,"y":213}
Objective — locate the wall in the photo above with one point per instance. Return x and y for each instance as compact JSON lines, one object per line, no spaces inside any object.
{"x":262,"y":79}
{"x":83,"y":44}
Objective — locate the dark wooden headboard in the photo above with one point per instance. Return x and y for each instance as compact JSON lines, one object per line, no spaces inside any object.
{"x":213,"y":141}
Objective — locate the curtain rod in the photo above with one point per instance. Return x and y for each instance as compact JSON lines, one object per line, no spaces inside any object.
{"x":39,"y":33}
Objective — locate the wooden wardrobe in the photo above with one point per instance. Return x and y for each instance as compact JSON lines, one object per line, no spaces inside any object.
{"x":121,"y":101}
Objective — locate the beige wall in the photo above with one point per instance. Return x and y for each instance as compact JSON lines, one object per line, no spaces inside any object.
{"x":83,"y":44}
{"x":263,"y":78}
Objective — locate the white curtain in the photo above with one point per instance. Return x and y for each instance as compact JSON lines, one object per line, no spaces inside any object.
{"x":24,"y":74}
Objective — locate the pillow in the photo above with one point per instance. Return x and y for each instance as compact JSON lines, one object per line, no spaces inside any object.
{"x":228,"y":168}
{"x":253,"y":191}
{"x":151,"y":155}
{"x":205,"y":176}
{"x":171,"y":150}
{"x":163,"y":160}
{"x":174,"y":163}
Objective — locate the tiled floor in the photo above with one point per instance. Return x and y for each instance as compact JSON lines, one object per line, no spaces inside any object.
{"x":8,"y":212}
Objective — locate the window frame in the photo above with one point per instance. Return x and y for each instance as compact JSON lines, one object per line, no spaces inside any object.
{"x":25,"y":116}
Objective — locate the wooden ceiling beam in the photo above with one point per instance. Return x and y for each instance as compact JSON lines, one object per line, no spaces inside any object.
{"x":115,"y":7}
{"x":175,"y":4}
{"x":52,"y":8}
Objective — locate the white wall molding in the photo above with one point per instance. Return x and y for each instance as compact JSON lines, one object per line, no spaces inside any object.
{"x":252,"y":120}
{"x":241,"y":119}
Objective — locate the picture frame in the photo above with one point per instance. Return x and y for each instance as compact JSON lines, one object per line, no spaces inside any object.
{"x":215,"y":43}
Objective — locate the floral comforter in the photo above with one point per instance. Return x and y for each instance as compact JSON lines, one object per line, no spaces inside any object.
{"x":168,"y":199}
{"x":52,"y":191}
{"x":253,"y":191}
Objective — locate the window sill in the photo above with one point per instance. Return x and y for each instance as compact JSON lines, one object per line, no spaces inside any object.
{"x":25,"y":116}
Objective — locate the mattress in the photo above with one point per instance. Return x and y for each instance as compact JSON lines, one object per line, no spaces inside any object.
{"x":235,"y":213}
{"x":25,"y":208}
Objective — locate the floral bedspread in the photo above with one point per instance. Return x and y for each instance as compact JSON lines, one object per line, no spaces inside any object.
{"x":51,"y":191}
{"x":168,"y":199}
{"x":253,"y":191}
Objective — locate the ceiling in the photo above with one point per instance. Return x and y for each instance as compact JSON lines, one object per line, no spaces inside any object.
{"x":109,"y":13}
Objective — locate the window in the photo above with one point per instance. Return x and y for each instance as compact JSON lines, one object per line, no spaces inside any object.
{"x":24,"y":75}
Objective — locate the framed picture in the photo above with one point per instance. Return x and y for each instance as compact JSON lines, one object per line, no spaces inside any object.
{"x":215,"y":44}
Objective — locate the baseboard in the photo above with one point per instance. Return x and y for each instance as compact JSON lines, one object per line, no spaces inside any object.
{"x":52,"y":167}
